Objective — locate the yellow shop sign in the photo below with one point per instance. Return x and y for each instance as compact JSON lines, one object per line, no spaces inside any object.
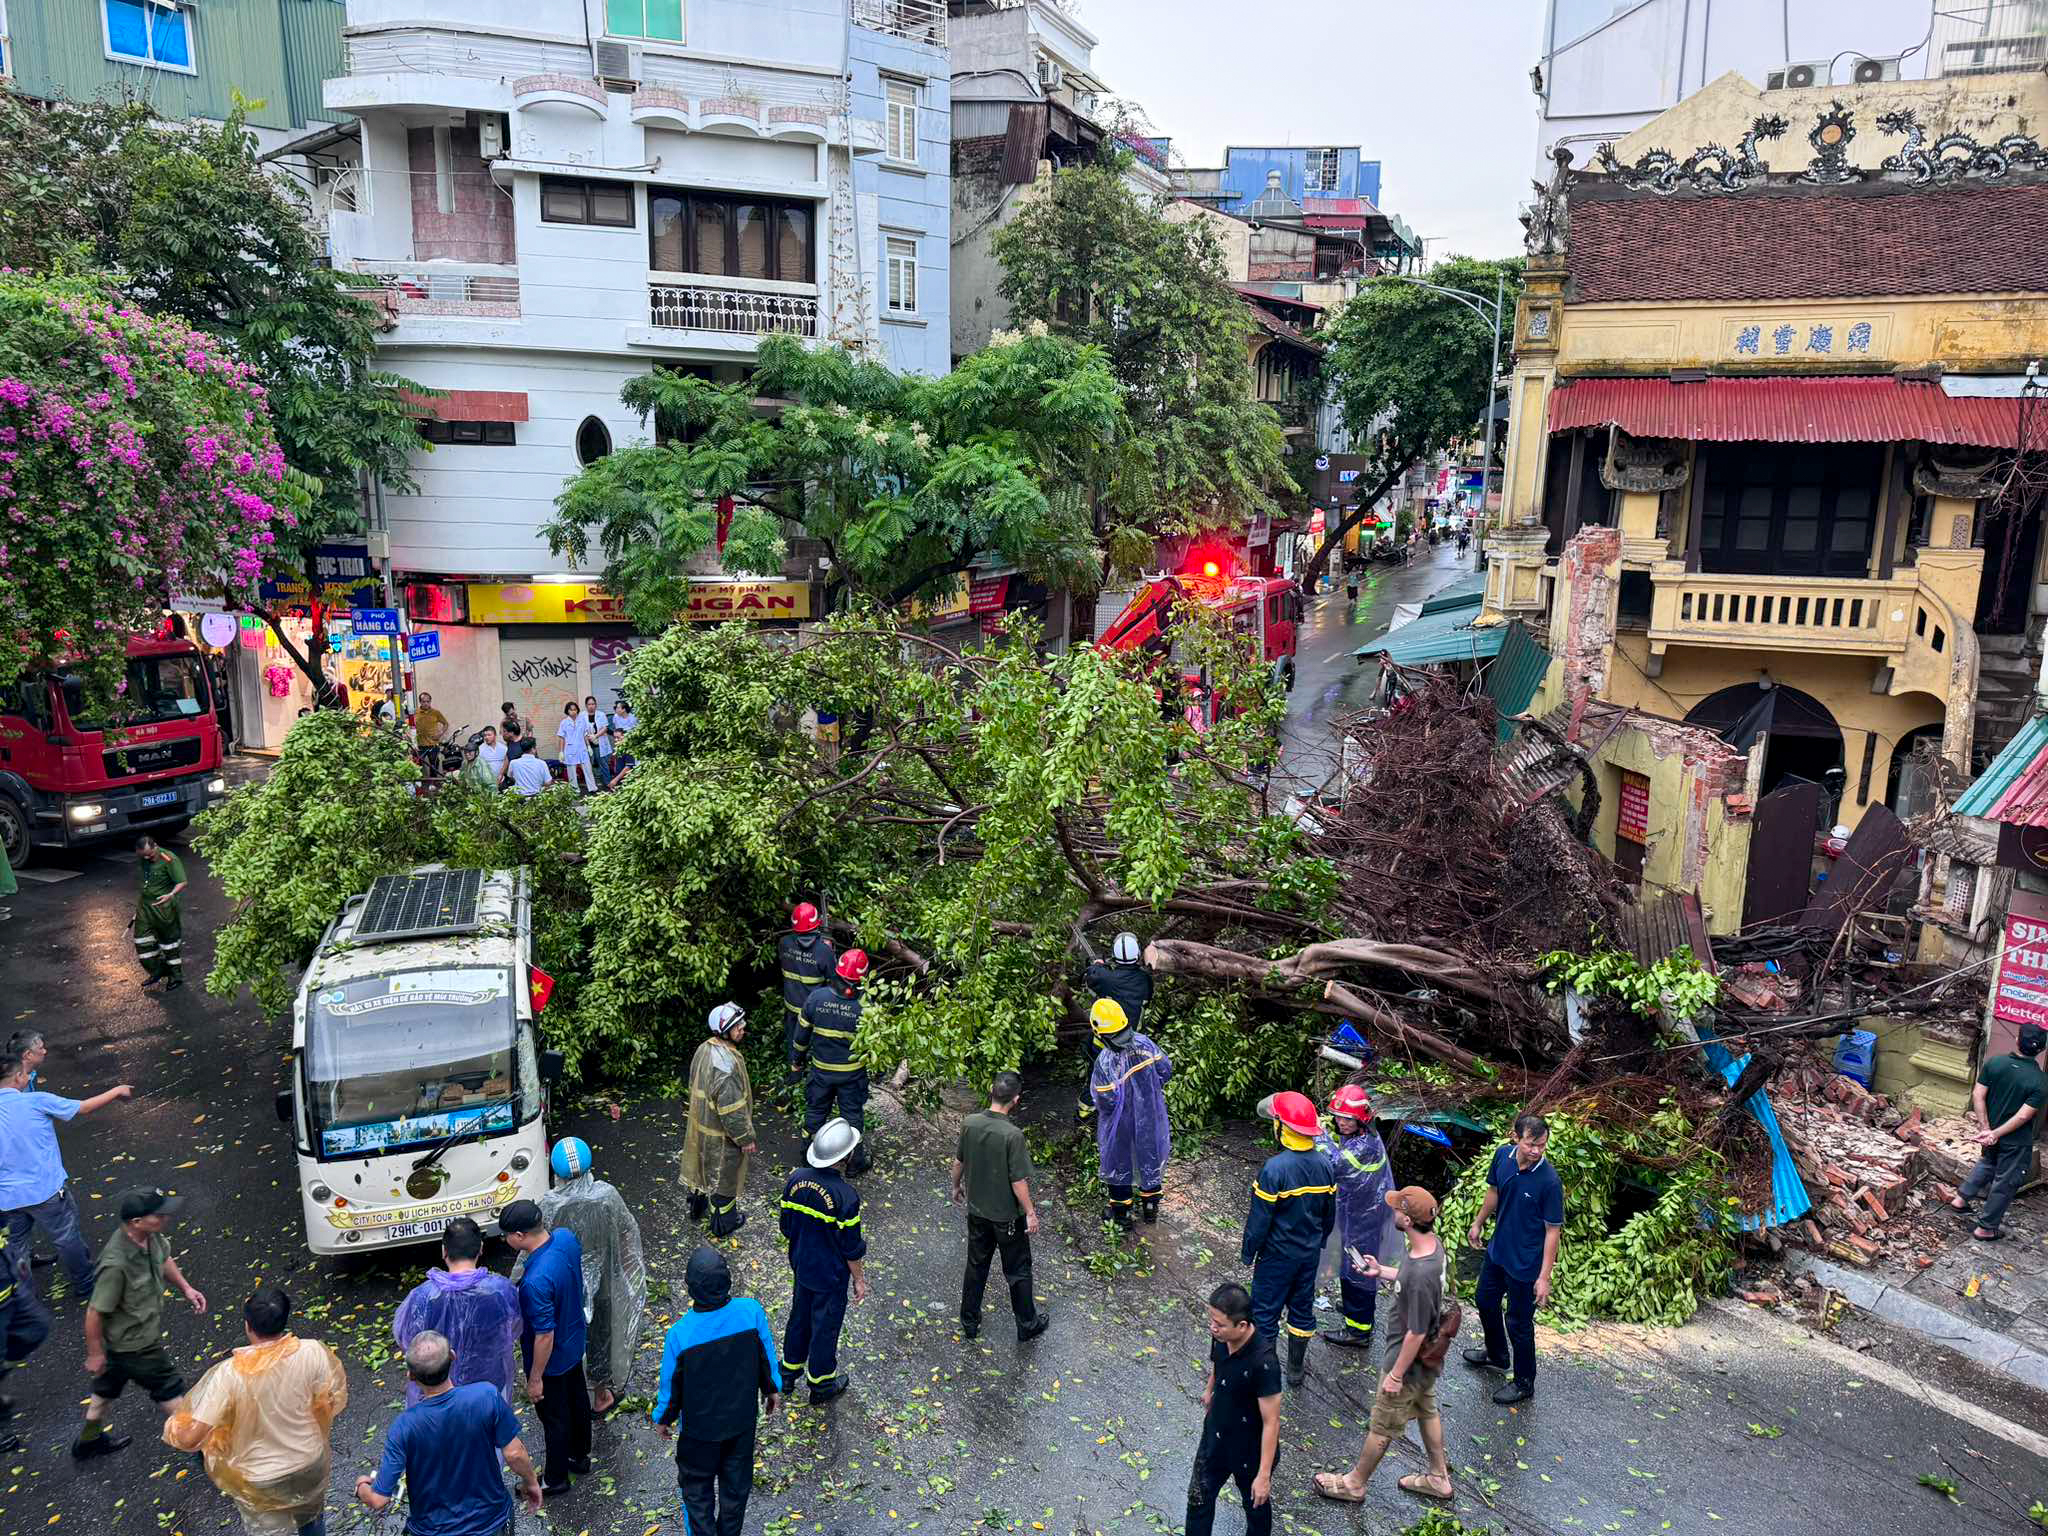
{"x":582,"y":602}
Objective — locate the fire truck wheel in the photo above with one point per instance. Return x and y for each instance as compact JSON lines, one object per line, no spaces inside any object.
{"x":14,"y":833}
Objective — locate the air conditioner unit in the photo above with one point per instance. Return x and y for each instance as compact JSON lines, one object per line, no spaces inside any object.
{"x":1798,"y":75}
{"x":1874,"y":71}
{"x":616,"y":64}
{"x":1087,"y":103}
{"x":1050,"y":73}
{"x":491,"y":132}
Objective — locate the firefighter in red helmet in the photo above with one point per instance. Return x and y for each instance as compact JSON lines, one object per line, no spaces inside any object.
{"x":807,"y":961}
{"x":825,"y":1033}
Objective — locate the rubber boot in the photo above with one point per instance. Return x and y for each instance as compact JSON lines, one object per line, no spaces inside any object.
{"x":727,"y":1221}
{"x":861,"y":1161}
{"x":1148,"y":1208}
{"x":1297,"y":1359}
{"x":698,"y":1206}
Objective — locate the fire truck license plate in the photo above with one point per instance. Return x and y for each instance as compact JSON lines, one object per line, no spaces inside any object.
{"x":161,"y":797}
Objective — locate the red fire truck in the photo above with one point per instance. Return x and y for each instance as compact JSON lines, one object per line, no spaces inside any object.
{"x":1265,"y":610}
{"x":63,"y":784}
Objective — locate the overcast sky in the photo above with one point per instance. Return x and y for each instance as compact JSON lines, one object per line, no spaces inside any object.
{"x":1436,"y":90}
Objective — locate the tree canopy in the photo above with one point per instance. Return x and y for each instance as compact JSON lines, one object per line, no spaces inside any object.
{"x":1409,"y":368}
{"x":195,"y":227}
{"x":1095,"y":260}
{"x":134,"y":453}
{"x":903,"y":479}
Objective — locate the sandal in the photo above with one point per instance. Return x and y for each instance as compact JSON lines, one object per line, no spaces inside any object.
{"x":1423,"y":1485}
{"x":1334,"y":1489}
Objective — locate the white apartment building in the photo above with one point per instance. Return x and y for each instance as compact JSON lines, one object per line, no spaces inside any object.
{"x":558,"y":196}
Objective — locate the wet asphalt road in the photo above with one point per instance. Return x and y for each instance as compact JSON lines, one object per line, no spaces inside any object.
{"x":1737,"y":1423}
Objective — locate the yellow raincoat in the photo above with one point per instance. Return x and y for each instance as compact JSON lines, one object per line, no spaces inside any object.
{"x":266,"y":1412}
{"x":721,"y":1122}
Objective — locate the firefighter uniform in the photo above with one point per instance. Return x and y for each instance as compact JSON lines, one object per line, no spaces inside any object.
{"x":1293,"y":1212}
{"x":807,"y":961}
{"x":1130,"y":988}
{"x":824,"y":1033}
{"x":720,"y":1129}
{"x":160,"y":929}
{"x":821,"y":1221}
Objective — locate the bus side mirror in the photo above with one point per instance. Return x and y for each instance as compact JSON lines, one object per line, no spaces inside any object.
{"x":552,"y":1066}
{"x":284,"y":1105}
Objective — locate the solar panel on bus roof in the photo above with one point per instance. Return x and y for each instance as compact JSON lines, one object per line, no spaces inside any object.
{"x":427,"y":905}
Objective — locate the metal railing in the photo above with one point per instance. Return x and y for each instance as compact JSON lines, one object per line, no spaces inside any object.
{"x":444,"y":287}
{"x":1994,"y":37}
{"x":731,"y":311}
{"x":917,"y":21}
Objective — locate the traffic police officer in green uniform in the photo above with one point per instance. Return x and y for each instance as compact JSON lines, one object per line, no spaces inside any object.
{"x":159,"y":920}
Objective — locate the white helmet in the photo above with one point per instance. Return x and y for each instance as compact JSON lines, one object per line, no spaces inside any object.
{"x":1125,"y":950}
{"x":725,"y":1017}
{"x":834,"y":1142}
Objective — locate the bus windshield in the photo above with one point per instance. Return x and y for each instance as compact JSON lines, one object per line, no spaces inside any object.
{"x":416,"y":1057}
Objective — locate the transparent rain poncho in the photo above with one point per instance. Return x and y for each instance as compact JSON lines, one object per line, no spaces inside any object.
{"x":721,"y":1121}
{"x":614,"y":1273}
{"x":478,"y":1313}
{"x":1128,"y":1087}
{"x":1364,"y":1175}
{"x":270,"y":1407}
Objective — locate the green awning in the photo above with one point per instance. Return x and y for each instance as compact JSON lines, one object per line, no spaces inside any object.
{"x":1443,"y":636}
{"x":1514,"y":677}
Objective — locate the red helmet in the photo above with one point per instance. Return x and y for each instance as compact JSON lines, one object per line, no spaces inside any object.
{"x":1352,"y":1102}
{"x":853,"y":965}
{"x":1294,"y":1111}
{"x":804,"y":919}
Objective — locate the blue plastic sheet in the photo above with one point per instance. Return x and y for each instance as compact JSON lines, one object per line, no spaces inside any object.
{"x":1789,"y":1200}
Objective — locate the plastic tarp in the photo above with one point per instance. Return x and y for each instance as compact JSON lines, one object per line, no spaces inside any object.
{"x":1364,"y":1175}
{"x":614,"y":1273}
{"x":271,"y":1407}
{"x":1789,"y":1200}
{"x":478,"y":1313}
{"x":1129,"y":1089}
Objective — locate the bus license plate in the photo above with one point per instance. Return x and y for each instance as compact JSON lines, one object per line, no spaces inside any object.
{"x":400,"y":1230}
{"x":161,"y":797}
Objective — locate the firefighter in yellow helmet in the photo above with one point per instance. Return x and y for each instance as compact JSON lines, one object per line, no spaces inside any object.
{"x":1128,"y":1086}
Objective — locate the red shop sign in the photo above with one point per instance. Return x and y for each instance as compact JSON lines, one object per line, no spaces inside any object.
{"x":985,"y":594}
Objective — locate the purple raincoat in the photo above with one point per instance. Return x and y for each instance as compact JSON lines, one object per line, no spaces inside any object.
{"x":1364,"y":1175}
{"x":478,"y":1313}
{"x":1129,"y":1088}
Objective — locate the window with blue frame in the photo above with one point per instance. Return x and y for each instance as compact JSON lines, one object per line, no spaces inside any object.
{"x":661,"y":20}
{"x":153,"y":32}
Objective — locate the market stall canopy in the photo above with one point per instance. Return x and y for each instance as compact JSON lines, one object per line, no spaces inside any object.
{"x":1786,"y":410}
{"x":2015,"y":787}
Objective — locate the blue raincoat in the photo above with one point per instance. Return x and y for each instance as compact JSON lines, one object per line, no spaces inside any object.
{"x":1364,"y":1175}
{"x":1129,"y":1089}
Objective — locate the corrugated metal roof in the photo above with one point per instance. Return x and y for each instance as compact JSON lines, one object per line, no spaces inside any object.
{"x":1654,"y":929}
{"x":1441,"y":636}
{"x":1786,"y":410}
{"x":1789,"y":1199}
{"x":2015,"y":787}
{"x":1515,"y":675}
{"x":1462,"y":593}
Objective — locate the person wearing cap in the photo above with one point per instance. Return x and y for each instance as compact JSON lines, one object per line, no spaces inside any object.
{"x":447,"y":1448}
{"x":124,"y":1320}
{"x":34,"y":1188}
{"x":551,"y":1301}
{"x":1364,"y":1176}
{"x":475,"y":1310}
{"x":719,"y":1138}
{"x":2006,"y":1105}
{"x":1525,"y":1193}
{"x":1124,"y":981}
{"x":262,"y":1418}
{"x":1132,"y":1138}
{"x":807,"y":960}
{"x":1407,"y":1393}
{"x":614,"y":1266}
{"x":1241,"y":1418}
{"x":821,"y":1223}
{"x":825,"y":1032}
{"x":717,"y":1365}
{"x":1293,"y":1212}
{"x":159,"y":918}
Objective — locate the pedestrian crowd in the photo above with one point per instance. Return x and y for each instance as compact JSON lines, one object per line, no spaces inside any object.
{"x":563,"y":1329}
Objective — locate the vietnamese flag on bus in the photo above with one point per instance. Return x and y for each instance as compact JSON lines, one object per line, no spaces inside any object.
{"x":541,"y":985}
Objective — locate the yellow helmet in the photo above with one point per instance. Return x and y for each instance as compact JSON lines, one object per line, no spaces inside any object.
{"x":1108,"y":1017}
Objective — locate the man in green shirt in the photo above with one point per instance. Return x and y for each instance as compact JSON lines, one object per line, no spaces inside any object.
{"x":159,"y":920}
{"x":124,"y":1320}
{"x":2010,"y":1092}
{"x":992,"y":1178}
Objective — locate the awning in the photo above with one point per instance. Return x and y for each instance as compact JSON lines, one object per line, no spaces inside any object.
{"x":1444,"y":635}
{"x":2015,"y":787}
{"x":1786,"y":410}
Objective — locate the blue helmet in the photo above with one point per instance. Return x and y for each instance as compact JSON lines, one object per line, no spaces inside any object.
{"x":570,"y":1157}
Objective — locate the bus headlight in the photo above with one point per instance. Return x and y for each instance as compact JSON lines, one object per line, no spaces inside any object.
{"x":87,"y":812}
{"x":521,"y":1161}
{"x":321,"y":1193}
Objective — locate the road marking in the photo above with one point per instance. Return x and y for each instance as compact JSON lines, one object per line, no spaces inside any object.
{"x":46,"y":876}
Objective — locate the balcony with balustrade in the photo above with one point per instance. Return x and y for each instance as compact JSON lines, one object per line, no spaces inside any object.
{"x":439,"y":289}
{"x":728,"y":310}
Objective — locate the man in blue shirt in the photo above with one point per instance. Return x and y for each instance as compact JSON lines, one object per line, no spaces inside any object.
{"x":32,"y":1177}
{"x":551,"y":1299}
{"x":717,"y":1362}
{"x":1525,"y":1193}
{"x":446,"y":1447}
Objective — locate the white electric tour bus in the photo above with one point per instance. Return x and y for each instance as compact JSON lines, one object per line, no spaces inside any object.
{"x":418,"y":1089}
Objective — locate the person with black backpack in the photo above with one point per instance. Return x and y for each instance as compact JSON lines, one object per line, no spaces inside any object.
{"x":1425,"y":1318}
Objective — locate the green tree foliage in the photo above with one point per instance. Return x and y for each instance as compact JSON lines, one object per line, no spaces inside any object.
{"x":195,"y":227}
{"x":132,"y":451}
{"x":904,"y":479}
{"x":1409,"y":368}
{"x":341,"y":808}
{"x":1095,"y":260}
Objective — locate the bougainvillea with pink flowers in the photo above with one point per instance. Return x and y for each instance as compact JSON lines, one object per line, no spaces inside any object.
{"x":136,"y":457}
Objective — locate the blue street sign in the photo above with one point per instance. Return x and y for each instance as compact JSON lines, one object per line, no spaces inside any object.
{"x":426,"y":645}
{"x":374,"y":621}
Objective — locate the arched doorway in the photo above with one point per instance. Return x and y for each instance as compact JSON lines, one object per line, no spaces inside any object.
{"x":1803,"y":740}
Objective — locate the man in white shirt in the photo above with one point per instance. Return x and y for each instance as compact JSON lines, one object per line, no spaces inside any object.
{"x":529,"y":774}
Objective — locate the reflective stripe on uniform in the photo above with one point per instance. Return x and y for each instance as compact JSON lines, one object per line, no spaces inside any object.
{"x":1350,"y":1322}
{"x":1372,"y":1167}
{"x":830,"y":1221}
{"x":816,"y":981}
{"x":817,"y":1380}
{"x":1285,"y":1194}
{"x":1301,"y":1333}
{"x":832,"y":1034}
{"x":1141,"y":1066}
{"x":837,"y":1066}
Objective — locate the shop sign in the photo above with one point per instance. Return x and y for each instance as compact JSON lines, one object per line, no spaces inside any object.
{"x":942,"y":611}
{"x":1801,"y":338}
{"x":1634,"y":815}
{"x":2020,"y":993}
{"x":344,"y":577}
{"x":987,"y":593}
{"x":583,"y":602}
{"x":714,"y":601}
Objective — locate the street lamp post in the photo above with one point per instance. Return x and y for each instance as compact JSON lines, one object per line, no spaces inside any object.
{"x":1493,"y":310}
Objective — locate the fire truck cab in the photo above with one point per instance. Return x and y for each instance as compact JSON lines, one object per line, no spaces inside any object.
{"x":1265,"y":610}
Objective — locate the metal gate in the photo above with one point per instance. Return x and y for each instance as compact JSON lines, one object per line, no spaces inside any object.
{"x":1781,"y":853}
